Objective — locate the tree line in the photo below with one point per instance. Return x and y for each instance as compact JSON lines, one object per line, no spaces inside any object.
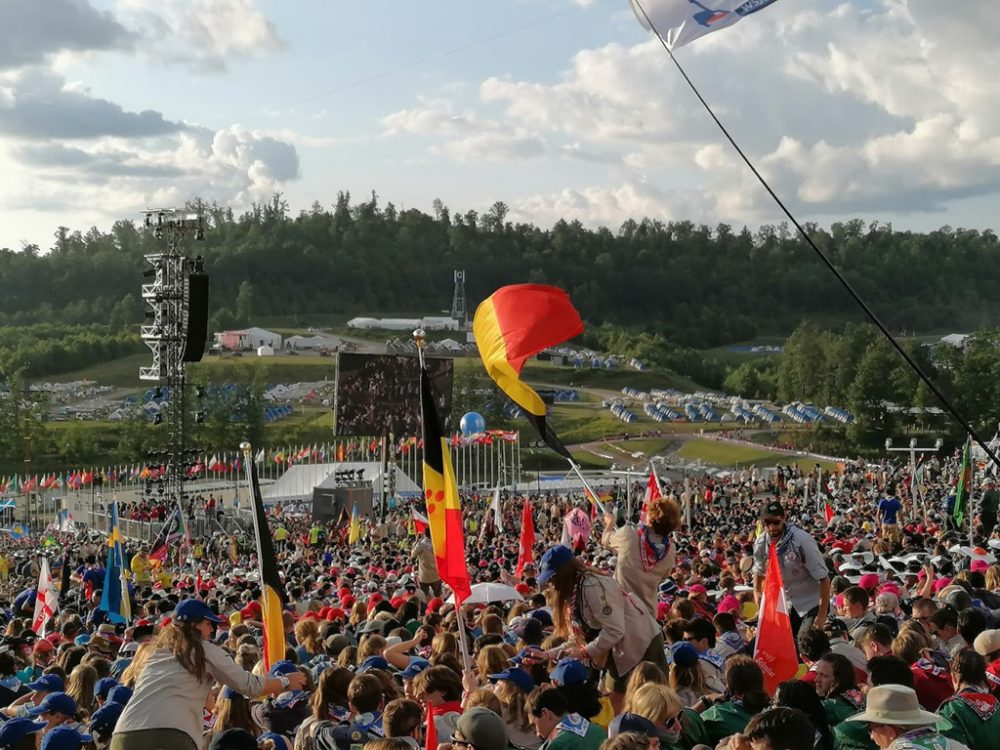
{"x":691,"y":285}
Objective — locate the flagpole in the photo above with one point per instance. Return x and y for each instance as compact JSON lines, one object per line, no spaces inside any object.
{"x":586,"y":485}
{"x":246,"y":448}
{"x":421,"y":340}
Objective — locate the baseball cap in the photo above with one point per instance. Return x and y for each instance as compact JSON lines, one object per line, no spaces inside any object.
{"x":42,"y":645}
{"x":684,"y":655}
{"x":544,"y":617}
{"x":697,"y":588}
{"x":55,"y":703}
{"x":120,"y":694}
{"x":193,"y":610}
{"x":629,"y":722}
{"x":518,"y":676}
{"x":415,"y":667}
{"x":530,"y":631}
{"x":869,"y":581}
{"x":373,"y":662}
{"x":64,"y":738}
{"x":105,"y":718}
{"x":282,"y":667}
{"x":48,"y":683}
{"x":482,"y":729}
{"x":569,"y":672}
{"x":553,"y":559}
{"x":16,"y":729}
{"x":773,"y":508}
{"x":103,"y":686}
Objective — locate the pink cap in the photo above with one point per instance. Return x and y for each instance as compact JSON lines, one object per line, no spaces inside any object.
{"x":940,"y":583}
{"x":979,"y":566}
{"x":729,"y":603}
{"x":697,"y":589}
{"x":869,"y":581}
{"x":662,"y":610}
{"x":889,"y":588}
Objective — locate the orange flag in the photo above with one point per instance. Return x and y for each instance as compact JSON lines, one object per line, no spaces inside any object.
{"x":775,"y":647}
{"x":444,"y":509}
{"x":526,"y":554}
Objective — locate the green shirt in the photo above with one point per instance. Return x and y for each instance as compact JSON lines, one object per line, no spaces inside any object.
{"x":693,"y":731}
{"x":972,"y":718}
{"x":848,"y":735}
{"x":565,"y":740}
{"x":723,"y":720}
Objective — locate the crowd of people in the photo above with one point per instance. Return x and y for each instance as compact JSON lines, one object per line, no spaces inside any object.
{"x":641,"y":637}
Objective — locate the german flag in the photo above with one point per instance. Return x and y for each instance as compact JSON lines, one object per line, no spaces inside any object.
{"x":272,"y":590}
{"x":513,"y":325}
{"x":444,"y":509}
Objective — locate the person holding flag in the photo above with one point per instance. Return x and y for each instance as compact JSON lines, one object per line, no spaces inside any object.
{"x":645,"y":552}
{"x":804,"y":575}
{"x":166,"y":708}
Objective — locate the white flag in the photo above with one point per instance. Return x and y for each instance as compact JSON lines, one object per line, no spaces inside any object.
{"x":680,"y":22}
{"x":46,"y":600}
{"x":495,"y":505}
{"x":259,"y":458}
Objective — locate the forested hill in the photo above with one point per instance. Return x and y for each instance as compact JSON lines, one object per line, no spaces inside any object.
{"x":697,"y":285}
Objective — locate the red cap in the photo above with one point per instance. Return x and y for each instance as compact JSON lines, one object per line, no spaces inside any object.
{"x":251,"y":611}
{"x":396,"y":602}
{"x":435,"y":604}
{"x":311,"y":615}
{"x":347,"y":601}
{"x":697,"y":589}
{"x":43,"y":645}
{"x":522,"y":589}
{"x":54,"y":638}
{"x":336,"y":613}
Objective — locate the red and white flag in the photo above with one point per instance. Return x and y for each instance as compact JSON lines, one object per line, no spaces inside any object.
{"x":652,"y":493}
{"x":775,"y":647}
{"x":420,"y":522}
{"x":526,"y":555}
{"x":46,"y":600}
{"x":828,"y":512}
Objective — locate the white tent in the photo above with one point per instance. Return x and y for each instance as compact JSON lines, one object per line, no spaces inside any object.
{"x":297,"y":484}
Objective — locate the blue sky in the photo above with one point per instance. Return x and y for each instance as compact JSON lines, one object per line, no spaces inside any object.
{"x":561,"y":108}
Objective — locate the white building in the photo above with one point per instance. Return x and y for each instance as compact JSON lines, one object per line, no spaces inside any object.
{"x":248,"y":339}
{"x":430,"y":323}
{"x":313,"y":343}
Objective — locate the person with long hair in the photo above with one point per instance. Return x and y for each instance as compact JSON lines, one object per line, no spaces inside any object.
{"x":645,"y":552}
{"x":328,"y":703}
{"x":602,"y":624}
{"x":801,"y":695}
{"x":232,"y":711}
{"x":687,"y":678}
{"x":745,"y":696}
{"x":166,"y":710}
{"x":81,"y":687}
{"x":836,"y":686}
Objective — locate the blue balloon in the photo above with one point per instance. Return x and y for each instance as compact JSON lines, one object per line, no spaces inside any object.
{"x":473,"y":424}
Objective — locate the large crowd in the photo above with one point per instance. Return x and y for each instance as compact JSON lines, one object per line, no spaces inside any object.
{"x":640,"y":637}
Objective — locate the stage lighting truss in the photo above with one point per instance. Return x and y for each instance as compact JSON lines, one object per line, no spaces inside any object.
{"x":350,"y":477}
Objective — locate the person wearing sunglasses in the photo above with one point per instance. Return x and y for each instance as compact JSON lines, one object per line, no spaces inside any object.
{"x":803,"y":570}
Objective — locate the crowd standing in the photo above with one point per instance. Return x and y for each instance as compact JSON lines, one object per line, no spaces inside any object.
{"x":640,"y":637}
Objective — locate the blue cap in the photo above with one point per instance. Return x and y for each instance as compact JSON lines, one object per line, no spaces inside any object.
{"x":544,"y":617}
{"x":192,"y":610}
{"x":16,"y":729}
{"x":291,"y":698}
{"x":373,"y":662}
{"x":103,"y":686}
{"x":106,"y":717}
{"x":415,"y":667}
{"x":518,"y":676}
{"x":629,"y":722}
{"x":64,"y":738}
{"x":48,"y":683}
{"x":121,"y":694}
{"x":82,"y":640}
{"x":569,"y":672}
{"x":282,"y":667}
{"x":684,"y":654}
{"x":553,"y":559}
{"x":227,"y":693}
{"x":56,"y":703}
{"x":280,"y":742}
{"x":528,"y":658}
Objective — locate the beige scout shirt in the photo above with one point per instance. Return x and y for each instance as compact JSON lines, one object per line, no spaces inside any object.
{"x":607,"y":608}
{"x":167,"y":696}
{"x":629,"y":571}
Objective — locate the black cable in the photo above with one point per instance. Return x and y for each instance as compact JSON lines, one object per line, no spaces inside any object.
{"x":820,"y":254}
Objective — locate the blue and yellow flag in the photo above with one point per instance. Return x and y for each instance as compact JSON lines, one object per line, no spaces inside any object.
{"x":114,"y":597}
{"x":354,"y":536}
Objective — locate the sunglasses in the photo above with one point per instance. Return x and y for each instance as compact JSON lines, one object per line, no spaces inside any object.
{"x":773,"y":521}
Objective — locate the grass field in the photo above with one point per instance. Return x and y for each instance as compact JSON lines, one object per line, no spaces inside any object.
{"x":648,"y":446}
{"x":612,"y":380}
{"x":730,"y":454}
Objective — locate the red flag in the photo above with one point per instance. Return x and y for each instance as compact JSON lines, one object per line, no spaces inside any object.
{"x":828,"y":512}
{"x":775,"y":648}
{"x":526,"y":554}
{"x":652,"y":493}
{"x":419,"y":521}
{"x":340,"y":453}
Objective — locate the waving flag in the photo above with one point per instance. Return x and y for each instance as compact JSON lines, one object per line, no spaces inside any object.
{"x":114,"y":595}
{"x":444,"y":509}
{"x":514,"y":324}
{"x":526,"y":547}
{"x":272,"y":589}
{"x":679,"y":22}
{"x":963,"y":487}
{"x":420,"y":522}
{"x":169,"y":534}
{"x":47,"y":599}
{"x":775,"y":647}
{"x":354,"y":536}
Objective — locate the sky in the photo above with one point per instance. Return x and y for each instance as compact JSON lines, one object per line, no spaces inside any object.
{"x":562,"y":109}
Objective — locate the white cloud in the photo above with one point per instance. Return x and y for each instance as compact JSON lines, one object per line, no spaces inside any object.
{"x":203,"y":33}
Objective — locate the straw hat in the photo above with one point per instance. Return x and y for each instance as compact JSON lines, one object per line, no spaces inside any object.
{"x":895,"y":705}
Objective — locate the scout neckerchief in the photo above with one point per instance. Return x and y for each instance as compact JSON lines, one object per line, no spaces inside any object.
{"x":651,"y":552}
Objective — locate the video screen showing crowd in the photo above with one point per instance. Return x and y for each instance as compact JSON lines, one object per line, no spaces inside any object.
{"x":632,"y":631}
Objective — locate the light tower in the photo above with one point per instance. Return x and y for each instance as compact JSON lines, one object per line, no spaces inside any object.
{"x":458,"y":308}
